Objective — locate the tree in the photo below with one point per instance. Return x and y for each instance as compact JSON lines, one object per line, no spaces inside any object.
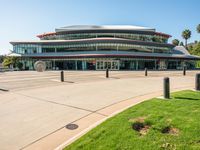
{"x":175,"y":42}
{"x":186,"y":34}
{"x":190,"y":49}
{"x":198,"y":28}
{"x":181,"y":44}
{"x":1,"y":58}
{"x":195,"y":49}
{"x":9,"y":60}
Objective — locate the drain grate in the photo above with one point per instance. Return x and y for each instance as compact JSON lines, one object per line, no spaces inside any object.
{"x":71,"y":126}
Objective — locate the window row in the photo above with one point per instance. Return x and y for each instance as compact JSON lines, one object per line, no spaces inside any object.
{"x":140,"y":37}
{"x":23,"y":49}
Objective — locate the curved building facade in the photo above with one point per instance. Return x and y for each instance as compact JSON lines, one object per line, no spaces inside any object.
{"x":101,"y":47}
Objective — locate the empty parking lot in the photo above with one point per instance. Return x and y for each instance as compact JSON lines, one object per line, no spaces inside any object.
{"x":30,"y":79}
{"x":34,"y":106}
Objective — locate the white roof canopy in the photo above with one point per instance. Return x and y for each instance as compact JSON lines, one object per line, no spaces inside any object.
{"x":14,"y":55}
{"x":104,"y":27}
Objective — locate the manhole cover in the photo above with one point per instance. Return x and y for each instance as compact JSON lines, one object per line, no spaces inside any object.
{"x":72,"y":126}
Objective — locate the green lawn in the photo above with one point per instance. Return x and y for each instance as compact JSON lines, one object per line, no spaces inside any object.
{"x":165,"y":124}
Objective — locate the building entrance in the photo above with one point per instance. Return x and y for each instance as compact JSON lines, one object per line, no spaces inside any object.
{"x":107,"y":64}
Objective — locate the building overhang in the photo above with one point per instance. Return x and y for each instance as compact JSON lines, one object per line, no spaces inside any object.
{"x":95,"y":40}
{"x":113,"y":54}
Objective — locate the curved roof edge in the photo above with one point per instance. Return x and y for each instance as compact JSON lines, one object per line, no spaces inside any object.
{"x":54,"y":33}
{"x":92,"y":40}
{"x":46,"y":34}
{"x":103,"y":27}
{"x":180,"y":50}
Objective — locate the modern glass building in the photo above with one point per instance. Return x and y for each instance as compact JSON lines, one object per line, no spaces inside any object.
{"x":84,"y":47}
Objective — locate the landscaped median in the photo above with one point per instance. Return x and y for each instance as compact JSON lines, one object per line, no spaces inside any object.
{"x":154,"y":124}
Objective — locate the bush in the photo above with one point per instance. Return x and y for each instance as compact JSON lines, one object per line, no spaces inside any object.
{"x":20,"y":65}
{"x":8,"y":61}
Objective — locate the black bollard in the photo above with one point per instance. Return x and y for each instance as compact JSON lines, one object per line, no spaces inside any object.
{"x":197,"y":82}
{"x":107,"y":73}
{"x":62,"y":76}
{"x":166,"y":88}
{"x":146,"y":72}
{"x":184,"y":70}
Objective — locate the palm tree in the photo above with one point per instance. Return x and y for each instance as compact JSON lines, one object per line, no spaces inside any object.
{"x":186,"y":34}
{"x":175,"y":42}
{"x":198,"y":28}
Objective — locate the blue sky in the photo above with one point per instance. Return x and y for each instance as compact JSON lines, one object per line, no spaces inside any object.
{"x":24,"y":19}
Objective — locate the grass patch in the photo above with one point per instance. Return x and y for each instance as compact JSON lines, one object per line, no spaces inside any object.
{"x":154,"y":124}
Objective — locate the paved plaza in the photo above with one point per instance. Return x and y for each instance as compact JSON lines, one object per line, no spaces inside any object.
{"x":35,"y":107}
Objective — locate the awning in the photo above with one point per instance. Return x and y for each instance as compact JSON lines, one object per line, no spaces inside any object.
{"x":14,"y":55}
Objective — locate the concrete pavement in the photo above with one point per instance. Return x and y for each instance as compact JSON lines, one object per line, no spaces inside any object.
{"x":34,"y":115}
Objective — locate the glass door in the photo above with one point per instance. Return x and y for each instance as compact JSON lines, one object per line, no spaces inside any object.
{"x":115,"y":65}
{"x":48,"y":65}
{"x":107,"y":64}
